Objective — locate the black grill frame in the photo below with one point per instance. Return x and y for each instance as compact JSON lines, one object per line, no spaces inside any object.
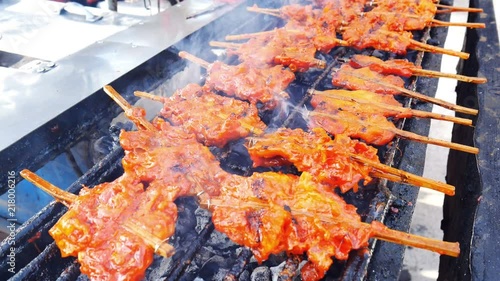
{"x":377,"y":264}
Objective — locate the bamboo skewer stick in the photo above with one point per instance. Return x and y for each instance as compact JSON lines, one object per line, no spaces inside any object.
{"x":458,"y":9}
{"x":437,"y":74}
{"x":256,"y":34}
{"x":439,"y":23}
{"x":414,"y":113}
{"x":410,"y":135}
{"x":149,"y":96}
{"x":225,"y":45}
{"x":272,"y":12}
{"x":395,"y":175}
{"x":412,"y":240}
{"x":160,"y":247}
{"x":265,"y":33}
{"x":419,"y":46}
{"x":192,"y":58}
{"x":423,"y":139}
{"x":420,"y":96}
{"x":379,"y":230}
{"x":60,"y":195}
{"x":129,"y":110}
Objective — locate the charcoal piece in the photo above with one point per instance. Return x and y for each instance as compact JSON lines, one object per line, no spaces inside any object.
{"x":234,"y":158}
{"x":434,"y":42}
{"x":212,"y":267}
{"x":261,"y":273}
{"x":244,"y":276}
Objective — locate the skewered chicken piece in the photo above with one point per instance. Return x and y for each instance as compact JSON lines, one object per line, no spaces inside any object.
{"x":372,"y":128}
{"x":429,"y":5}
{"x":255,"y":85}
{"x":320,"y":37}
{"x":271,"y":213}
{"x":136,"y":219}
{"x":369,"y":80}
{"x":362,"y":32}
{"x":291,"y":49}
{"x":369,"y":32}
{"x":408,"y":21}
{"x":410,"y":15}
{"x":404,"y":68}
{"x":341,"y":162}
{"x":331,"y":14}
{"x":372,"y":103}
{"x":320,"y":26}
{"x":114,"y":228}
{"x":100,"y":228}
{"x":215,"y":120}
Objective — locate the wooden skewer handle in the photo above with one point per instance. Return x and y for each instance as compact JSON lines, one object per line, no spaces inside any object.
{"x":437,"y":74}
{"x":248,"y":35}
{"x":464,"y":24}
{"x":149,"y":96}
{"x":226,"y":45}
{"x":272,"y":12}
{"x":129,"y":110}
{"x":60,"y":195}
{"x":442,"y":247}
{"x":423,"y":139}
{"x":396,"y":175}
{"x":437,"y":116}
{"x":459,"y":9}
{"x":425,"y":98}
{"x":195,"y":59}
{"x":438,"y":50}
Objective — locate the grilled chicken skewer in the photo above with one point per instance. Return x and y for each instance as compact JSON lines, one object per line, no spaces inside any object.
{"x":373,"y":129}
{"x":255,"y":85}
{"x":367,"y":79}
{"x":364,"y":101}
{"x":102,"y":227}
{"x":148,"y":160}
{"x":250,"y":90}
{"x":446,"y":8}
{"x":295,"y":215}
{"x":381,"y":171}
{"x":414,"y":21}
{"x":363,"y":32}
{"x":404,"y":68}
{"x":215,"y":120}
{"x":347,"y":161}
{"x":262,"y":52}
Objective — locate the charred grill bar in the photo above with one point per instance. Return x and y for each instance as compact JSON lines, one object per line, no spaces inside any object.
{"x":202,"y":252}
